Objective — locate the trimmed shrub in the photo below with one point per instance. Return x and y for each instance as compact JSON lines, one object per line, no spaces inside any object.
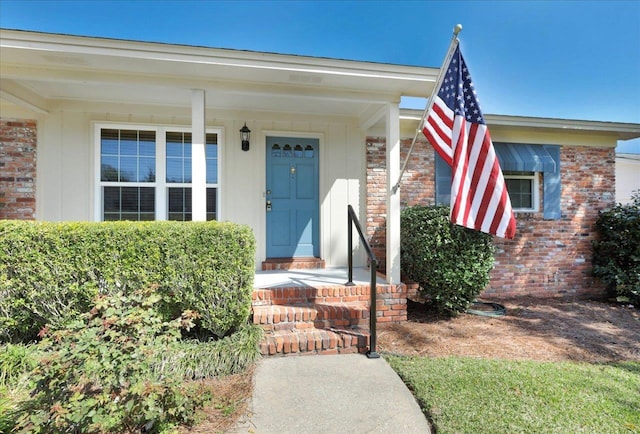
{"x":50,"y":272}
{"x":449,"y":262}
{"x":616,"y":254}
{"x":100,"y":372}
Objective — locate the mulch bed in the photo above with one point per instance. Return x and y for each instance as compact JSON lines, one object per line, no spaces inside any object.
{"x":532,"y":329}
{"x":231,"y":398}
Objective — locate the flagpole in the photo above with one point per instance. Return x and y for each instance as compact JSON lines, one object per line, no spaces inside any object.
{"x":447,"y":58}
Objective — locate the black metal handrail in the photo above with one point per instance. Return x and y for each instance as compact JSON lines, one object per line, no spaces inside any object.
{"x":353,"y":220}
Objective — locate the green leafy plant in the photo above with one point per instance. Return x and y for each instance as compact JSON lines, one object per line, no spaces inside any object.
{"x":50,"y":272}
{"x":195,"y":360}
{"x":16,"y":361}
{"x":101,"y":372}
{"x":449,"y":262}
{"x":616,"y":254}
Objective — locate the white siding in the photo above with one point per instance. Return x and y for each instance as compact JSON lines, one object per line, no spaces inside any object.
{"x":66,"y":168}
{"x":627,"y":176}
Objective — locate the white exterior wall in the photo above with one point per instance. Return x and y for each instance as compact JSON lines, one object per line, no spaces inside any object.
{"x":627,"y":177}
{"x":66,"y":168}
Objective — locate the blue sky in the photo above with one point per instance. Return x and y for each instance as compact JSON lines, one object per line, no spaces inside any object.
{"x":558,"y":59}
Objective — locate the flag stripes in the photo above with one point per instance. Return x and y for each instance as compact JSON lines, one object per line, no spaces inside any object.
{"x":455,"y":127}
{"x":438,"y":128}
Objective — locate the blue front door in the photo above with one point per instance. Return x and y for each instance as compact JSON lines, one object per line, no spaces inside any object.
{"x":292,"y":197}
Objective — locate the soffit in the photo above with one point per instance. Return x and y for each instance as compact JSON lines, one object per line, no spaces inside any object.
{"x":60,"y":67}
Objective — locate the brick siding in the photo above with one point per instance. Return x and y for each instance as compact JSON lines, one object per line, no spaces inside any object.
{"x":18,"y":140}
{"x":547,"y":257}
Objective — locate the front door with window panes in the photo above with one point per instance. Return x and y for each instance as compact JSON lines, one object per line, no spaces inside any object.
{"x":292,"y":200}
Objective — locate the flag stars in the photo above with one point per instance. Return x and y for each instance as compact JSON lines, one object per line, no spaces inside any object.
{"x":458,"y":92}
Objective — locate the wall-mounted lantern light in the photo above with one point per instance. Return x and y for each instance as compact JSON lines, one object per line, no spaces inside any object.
{"x":245,"y":135}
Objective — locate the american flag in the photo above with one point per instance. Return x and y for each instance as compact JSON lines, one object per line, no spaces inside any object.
{"x":457,"y":130}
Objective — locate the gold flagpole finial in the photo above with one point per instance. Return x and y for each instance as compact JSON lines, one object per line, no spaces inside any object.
{"x":457,"y":29}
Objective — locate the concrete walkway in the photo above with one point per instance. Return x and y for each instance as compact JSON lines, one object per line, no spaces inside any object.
{"x":346,"y":393}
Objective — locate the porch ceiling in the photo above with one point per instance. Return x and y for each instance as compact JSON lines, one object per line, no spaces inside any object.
{"x":45,"y":71}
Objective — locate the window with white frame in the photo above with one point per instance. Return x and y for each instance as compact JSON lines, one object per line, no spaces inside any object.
{"x":534,"y":172}
{"x":145,"y":173}
{"x":523,"y":190}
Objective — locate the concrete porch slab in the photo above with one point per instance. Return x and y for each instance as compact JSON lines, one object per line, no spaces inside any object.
{"x":314,"y":278}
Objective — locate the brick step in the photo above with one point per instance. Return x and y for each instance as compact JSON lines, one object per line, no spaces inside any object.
{"x":307,"y":316}
{"x":391,"y":303}
{"x":315,"y":341}
{"x":306,"y":294}
{"x":292,"y":264}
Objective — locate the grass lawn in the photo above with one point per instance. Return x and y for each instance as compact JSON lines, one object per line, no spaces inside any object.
{"x":470,"y":395}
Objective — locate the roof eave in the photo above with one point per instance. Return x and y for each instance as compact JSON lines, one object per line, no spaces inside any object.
{"x":622,"y":130}
{"x":81,"y":45}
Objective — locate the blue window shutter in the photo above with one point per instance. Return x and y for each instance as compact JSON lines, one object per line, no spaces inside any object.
{"x":443,"y":181}
{"x":552,"y":187}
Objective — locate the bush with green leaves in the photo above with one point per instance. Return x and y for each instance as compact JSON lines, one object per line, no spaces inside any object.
{"x":50,"y":272}
{"x":449,"y":262}
{"x":101,"y":372}
{"x":196,"y":360}
{"x":616,"y":252}
{"x":122,"y":342}
{"x":16,"y":362}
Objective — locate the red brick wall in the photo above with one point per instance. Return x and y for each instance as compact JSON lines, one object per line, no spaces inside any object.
{"x":547,"y":257}
{"x":18,"y":140}
{"x":422,"y":190}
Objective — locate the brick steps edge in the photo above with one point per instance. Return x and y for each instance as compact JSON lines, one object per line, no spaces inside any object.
{"x":315,"y":341}
{"x":319,"y":315}
{"x":293,"y":264}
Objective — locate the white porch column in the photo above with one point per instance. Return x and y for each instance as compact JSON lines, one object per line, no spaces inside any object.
{"x":198,"y":158}
{"x":393,"y":200}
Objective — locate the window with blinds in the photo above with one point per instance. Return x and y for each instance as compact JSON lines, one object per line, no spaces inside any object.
{"x":145,"y":173}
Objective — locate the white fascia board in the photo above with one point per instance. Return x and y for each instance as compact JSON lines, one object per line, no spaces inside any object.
{"x":622,"y":130}
{"x":629,"y":158}
{"x":212,"y":56}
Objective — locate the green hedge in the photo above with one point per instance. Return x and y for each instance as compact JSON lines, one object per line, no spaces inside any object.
{"x":449,"y":262}
{"x":50,"y":272}
{"x":616,"y":254}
